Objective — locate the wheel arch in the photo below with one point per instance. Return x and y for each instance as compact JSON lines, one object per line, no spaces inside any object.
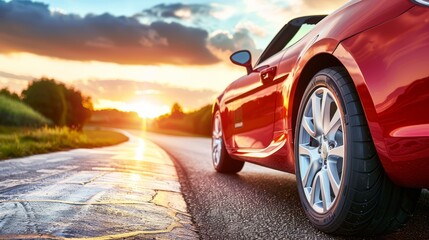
{"x":313,"y":66}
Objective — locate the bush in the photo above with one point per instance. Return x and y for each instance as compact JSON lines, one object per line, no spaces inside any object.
{"x":16,"y":113}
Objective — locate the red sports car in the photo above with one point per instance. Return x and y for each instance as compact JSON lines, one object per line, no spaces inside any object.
{"x":342,"y":101}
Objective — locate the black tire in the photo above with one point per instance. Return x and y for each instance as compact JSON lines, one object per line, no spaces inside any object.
{"x":366,"y":202}
{"x":222,"y":162}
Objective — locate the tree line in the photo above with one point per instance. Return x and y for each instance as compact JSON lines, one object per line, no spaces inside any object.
{"x":197,"y":122}
{"x":63,"y":105}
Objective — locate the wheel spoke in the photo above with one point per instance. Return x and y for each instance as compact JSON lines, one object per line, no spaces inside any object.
{"x":317,"y":120}
{"x":308,"y":151}
{"x":216,"y":144}
{"x":214,"y":154}
{"x":333,"y":176}
{"x":325,"y":110}
{"x":215,"y":149}
{"x":218,"y":152}
{"x":337,"y":151}
{"x":315,"y":191}
{"x":306,"y":125}
{"x":309,"y":162}
{"x":325,"y":190}
{"x":333,"y":125}
{"x":311,"y":172}
{"x":217,"y":133}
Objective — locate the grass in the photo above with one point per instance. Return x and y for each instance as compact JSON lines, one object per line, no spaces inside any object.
{"x":20,"y":142}
{"x":16,"y":113}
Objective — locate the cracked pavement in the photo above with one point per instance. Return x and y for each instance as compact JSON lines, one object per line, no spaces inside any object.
{"x":126,"y":191}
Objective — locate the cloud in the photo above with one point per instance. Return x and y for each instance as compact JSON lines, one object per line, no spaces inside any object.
{"x":27,"y":26}
{"x":14,"y":82}
{"x":223,"y":43}
{"x":252,"y":28}
{"x":177,"y":10}
{"x":193,"y":12}
{"x":11,"y":76}
{"x":130,"y":91}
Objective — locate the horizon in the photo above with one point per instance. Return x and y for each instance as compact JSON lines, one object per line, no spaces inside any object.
{"x":139,"y":56}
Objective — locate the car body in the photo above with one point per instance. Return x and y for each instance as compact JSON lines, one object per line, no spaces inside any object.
{"x":382,"y":45}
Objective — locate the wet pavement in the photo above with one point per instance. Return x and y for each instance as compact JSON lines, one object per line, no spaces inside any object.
{"x":127,"y":191}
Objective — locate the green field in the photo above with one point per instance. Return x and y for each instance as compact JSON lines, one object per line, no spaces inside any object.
{"x":20,"y":142}
{"x":16,"y":113}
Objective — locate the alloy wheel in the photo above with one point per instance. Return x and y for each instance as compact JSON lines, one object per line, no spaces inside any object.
{"x":321,"y":150}
{"x":217,"y":140}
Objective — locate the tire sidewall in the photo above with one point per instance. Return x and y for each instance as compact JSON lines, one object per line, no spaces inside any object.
{"x":334,"y":217}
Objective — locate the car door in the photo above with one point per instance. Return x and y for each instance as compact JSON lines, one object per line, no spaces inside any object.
{"x":252,"y":109}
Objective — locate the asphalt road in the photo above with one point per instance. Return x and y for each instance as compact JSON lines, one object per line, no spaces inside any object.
{"x":257,"y":203}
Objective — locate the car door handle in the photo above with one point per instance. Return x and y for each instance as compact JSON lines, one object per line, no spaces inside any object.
{"x":268,"y":74}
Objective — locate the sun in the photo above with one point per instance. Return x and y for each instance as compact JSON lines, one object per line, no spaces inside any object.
{"x":149,"y":110}
{"x":144,"y":108}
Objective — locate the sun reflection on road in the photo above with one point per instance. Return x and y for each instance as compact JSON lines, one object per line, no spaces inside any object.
{"x":140,"y":150}
{"x":134,"y":177}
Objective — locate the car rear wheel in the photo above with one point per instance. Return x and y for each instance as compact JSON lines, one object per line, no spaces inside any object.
{"x":222,"y":162}
{"x":341,"y":183}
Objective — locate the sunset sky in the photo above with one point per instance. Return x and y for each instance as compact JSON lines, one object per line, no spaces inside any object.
{"x":139,"y":55}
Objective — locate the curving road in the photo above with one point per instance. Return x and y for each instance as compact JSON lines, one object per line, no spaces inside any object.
{"x":258,"y":203}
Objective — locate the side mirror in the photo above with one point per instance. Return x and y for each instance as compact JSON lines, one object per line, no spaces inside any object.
{"x":242,"y":58}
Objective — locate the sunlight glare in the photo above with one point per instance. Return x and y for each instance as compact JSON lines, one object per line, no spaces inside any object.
{"x":140,"y":150}
{"x":149,"y":110}
{"x":135,"y":178}
{"x":143,"y":108}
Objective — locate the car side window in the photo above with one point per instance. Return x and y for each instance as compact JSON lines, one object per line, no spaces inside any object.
{"x":303,"y":30}
{"x":292,"y":32}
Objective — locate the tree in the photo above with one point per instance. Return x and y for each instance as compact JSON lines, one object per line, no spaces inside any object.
{"x":47,"y":97}
{"x":5,"y":92}
{"x":65,"y":106}
{"x":176,"y":111}
{"x":79,"y":108}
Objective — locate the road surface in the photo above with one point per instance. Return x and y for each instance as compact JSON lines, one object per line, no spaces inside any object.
{"x":129,"y":191}
{"x":258,"y":203}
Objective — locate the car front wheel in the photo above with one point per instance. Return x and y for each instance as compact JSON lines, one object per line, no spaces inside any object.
{"x":341,"y":182}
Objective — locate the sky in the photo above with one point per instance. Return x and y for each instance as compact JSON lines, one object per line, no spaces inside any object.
{"x":139,"y":56}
